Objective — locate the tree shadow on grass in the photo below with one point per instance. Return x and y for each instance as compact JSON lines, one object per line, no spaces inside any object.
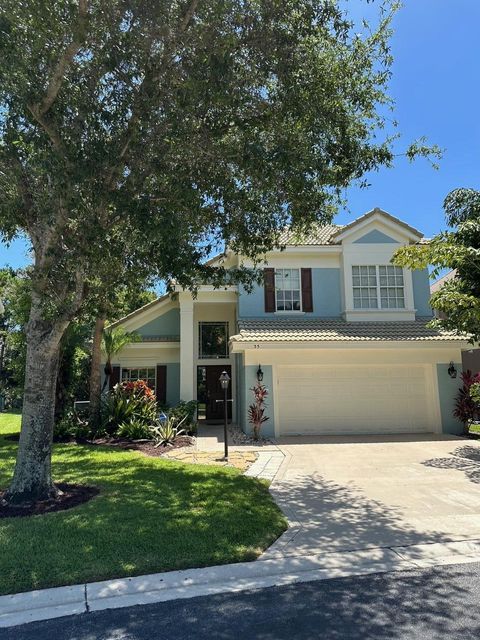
{"x":465,"y":458}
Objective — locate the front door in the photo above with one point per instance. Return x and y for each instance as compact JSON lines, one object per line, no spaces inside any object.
{"x":211,"y":391}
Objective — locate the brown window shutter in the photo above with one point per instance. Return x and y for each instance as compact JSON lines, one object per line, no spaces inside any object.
{"x":307,"y":299}
{"x":161,"y":390}
{"x":114,"y":377}
{"x":269,"y":289}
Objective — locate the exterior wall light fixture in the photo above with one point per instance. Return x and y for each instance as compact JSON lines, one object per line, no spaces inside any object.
{"x":452,"y":372}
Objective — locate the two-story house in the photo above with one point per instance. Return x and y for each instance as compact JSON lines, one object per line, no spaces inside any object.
{"x":337,"y":333}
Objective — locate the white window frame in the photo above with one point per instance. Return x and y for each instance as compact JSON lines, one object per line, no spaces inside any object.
{"x":138,"y":368}
{"x":299,"y":289}
{"x":378,"y":288}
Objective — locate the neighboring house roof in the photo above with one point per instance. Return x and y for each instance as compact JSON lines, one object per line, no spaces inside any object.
{"x":374,"y":212}
{"x":326,"y":330}
{"x":438,"y":284}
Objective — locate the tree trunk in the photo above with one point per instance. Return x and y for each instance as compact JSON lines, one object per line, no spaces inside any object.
{"x":32,"y":479}
{"x":95,"y":375}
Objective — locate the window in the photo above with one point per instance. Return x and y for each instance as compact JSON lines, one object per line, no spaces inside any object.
{"x":378,"y":287}
{"x":364,"y":287}
{"x":213,"y":340}
{"x":392,"y":293}
{"x":146,"y":373}
{"x":287,"y":290}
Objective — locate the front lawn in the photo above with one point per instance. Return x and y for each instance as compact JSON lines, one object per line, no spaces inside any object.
{"x":151,"y":515}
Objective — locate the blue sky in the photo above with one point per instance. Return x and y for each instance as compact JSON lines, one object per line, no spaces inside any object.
{"x":435,"y":86}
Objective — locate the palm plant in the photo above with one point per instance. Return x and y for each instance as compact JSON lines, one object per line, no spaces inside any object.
{"x":113,"y":341}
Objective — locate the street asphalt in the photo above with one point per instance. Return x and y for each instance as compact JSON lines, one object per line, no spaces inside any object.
{"x":442,"y":602}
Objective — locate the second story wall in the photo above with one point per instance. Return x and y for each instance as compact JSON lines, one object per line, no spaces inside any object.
{"x":421,"y":293}
{"x":326,"y":286}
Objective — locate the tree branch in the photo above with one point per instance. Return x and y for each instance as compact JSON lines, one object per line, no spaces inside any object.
{"x":149,"y":79}
{"x":41,"y":108}
{"x":64,"y":62}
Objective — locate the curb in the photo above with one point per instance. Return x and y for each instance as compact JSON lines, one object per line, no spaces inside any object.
{"x":33,"y":606}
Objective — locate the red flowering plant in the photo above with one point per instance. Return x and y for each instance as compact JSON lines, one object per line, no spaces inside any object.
{"x":256,"y":411}
{"x":466,"y":406}
{"x":129,"y":403}
{"x":138,"y":388}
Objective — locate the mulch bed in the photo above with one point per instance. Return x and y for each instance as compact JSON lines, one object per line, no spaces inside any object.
{"x":144,"y":446}
{"x":71,"y":495}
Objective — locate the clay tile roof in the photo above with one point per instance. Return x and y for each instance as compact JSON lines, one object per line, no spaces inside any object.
{"x":316,"y":236}
{"x":332,"y":330}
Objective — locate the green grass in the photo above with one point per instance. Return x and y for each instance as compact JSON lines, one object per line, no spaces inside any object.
{"x":474,"y":428}
{"x":151,"y":515}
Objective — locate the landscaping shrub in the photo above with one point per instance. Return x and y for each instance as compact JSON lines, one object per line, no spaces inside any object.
{"x":466,"y":407}
{"x":126,"y":402}
{"x":186,"y":413}
{"x":134,"y":429}
{"x":71,"y":427}
{"x":256,"y":411}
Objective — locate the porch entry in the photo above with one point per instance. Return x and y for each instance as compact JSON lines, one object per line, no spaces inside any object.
{"x":209,"y":391}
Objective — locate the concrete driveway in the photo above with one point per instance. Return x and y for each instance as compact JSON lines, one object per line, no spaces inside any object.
{"x":343,"y":494}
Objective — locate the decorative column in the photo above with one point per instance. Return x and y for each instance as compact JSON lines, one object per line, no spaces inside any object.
{"x":187,"y":373}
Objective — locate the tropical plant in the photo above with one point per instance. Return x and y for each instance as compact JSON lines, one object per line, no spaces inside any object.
{"x":466,"y":407}
{"x":134,"y":429}
{"x":186,"y":412}
{"x":128,"y":401}
{"x":113,"y":341}
{"x":165,"y":433}
{"x":256,"y":411}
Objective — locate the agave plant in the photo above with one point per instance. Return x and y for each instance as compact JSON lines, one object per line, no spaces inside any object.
{"x":165,"y":433}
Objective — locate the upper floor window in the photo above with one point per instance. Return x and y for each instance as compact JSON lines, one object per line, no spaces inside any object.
{"x":287,"y":290}
{"x":378,"y":287}
{"x":134,"y":374}
{"x":213,"y":339}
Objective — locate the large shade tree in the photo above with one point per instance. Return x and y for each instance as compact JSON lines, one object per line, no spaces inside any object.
{"x":137,"y":135}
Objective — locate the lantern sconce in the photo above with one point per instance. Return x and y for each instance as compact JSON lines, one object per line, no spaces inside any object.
{"x":259,"y":373}
{"x":452,"y":372}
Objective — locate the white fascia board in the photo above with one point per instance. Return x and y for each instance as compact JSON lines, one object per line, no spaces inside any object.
{"x":238,"y":346}
{"x":398,"y":229}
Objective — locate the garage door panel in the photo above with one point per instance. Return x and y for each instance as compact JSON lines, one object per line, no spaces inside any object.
{"x":345,"y":399}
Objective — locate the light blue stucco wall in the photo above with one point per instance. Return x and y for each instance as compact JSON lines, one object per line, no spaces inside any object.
{"x":250,"y":378}
{"x":421,"y":292}
{"x":447,"y":390}
{"x":168,"y":324}
{"x":173,"y":384}
{"x":326,"y":290}
{"x":374,"y":237}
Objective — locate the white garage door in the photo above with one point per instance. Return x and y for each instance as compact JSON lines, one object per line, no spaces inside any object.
{"x":358,"y":399}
